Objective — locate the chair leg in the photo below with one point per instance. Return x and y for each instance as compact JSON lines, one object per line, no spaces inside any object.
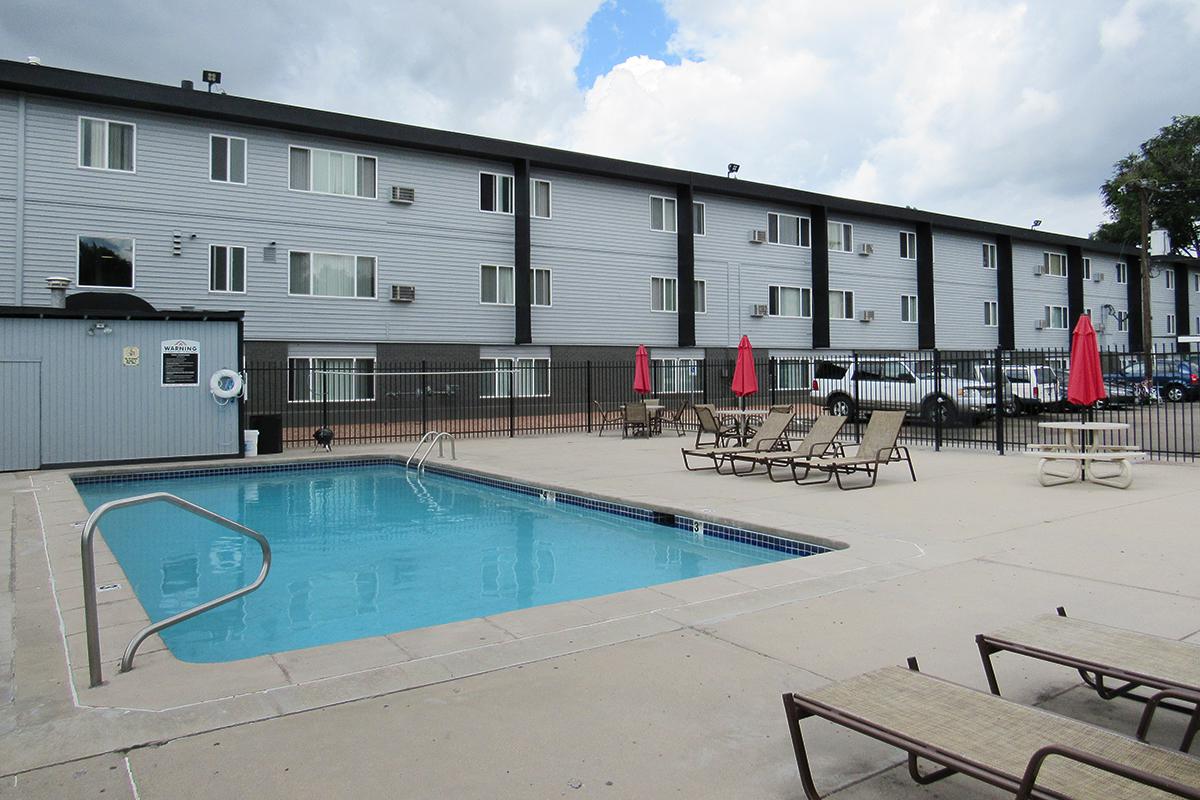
{"x":806,"y":778}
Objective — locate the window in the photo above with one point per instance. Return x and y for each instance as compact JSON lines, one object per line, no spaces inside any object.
{"x":788,"y":229}
{"x":991,"y":313}
{"x":313,"y":380}
{"x":701,"y":297}
{"x":104,"y":144}
{"x":1122,"y":321}
{"x":789,"y":301}
{"x":841,"y":304}
{"x":495,"y":193}
{"x":226,"y":159}
{"x":841,"y":236}
{"x":662,"y":214}
{"x":1170,"y":323}
{"x":1122,"y":272}
{"x":662,"y":294}
{"x":1054,"y":264}
{"x":531,"y":376}
{"x":908,"y":245}
{"x":1087,"y":312}
{"x":226,"y":268}
{"x":539,"y":286}
{"x":539,"y":198}
{"x":1056,"y":317}
{"x":331,"y":172}
{"x":105,"y":261}
{"x":496,"y":285}
{"x":675,"y":375}
{"x":1196,"y":282}
{"x":698,"y":219}
{"x":331,"y":275}
{"x":792,"y":373}
{"x":1087,"y":269}
{"x":908,"y":308}
{"x":989,"y":256}
{"x":1170,"y":273}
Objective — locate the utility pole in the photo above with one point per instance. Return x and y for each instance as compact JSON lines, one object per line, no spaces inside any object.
{"x":1143,"y":187}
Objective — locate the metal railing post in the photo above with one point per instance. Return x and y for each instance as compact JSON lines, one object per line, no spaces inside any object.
{"x":421,"y":390}
{"x":940,"y":410}
{"x":589,"y":396}
{"x":998,"y":384}
{"x":512,"y":401}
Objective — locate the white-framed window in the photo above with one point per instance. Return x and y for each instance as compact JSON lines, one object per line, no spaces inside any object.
{"x":989,"y":256}
{"x":496,"y":285}
{"x":1054,"y":264}
{"x":1170,"y":323}
{"x":539,"y":198}
{"x":344,"y":380}
{"x":662,"y":214}
{"x":789,"y":229}
{"x":1122,"y":321}
{"x":226,"y":159}
{"x":539,"y":287}
{"x":107,"y":144}
{"x":792,"y":373}
{"x":1087,"y":311}
{"x":701,"y":297}
{"x":841,"y":304}
{"x":495,"y":193}
{"x":698,"y":219}
{"x":789,"y":301}
{"x":1196,"y":281}
{"x":663,"y":293}
{"x":331,"y":274}
{"x":991,"y":313}
{"x":1170,"y":274}
{"x":841,"y":236}
{"x":1122,"y":272}
{"x":226,"y":268}
{"x":1056,"y":317}
{"x":530,"y":375}
{"x":311,"y":169}
{"x":908,"y":245}
{"x":908,"y":308}
{"x":1087,"y":268}
{"x":105,"y":262}
{"x":675,"y":375}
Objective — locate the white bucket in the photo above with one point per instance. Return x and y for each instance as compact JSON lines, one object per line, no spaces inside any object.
{"x":250,"y":443}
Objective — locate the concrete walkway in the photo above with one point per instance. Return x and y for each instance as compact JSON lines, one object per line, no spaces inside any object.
{"x":666,"y":691}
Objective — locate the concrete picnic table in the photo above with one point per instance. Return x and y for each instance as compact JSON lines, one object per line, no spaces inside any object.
{"x":1086,"y":454}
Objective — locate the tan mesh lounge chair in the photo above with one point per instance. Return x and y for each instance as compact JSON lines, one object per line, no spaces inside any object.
{"x":1027,"y":751}
{"x":637,"y":419}
{"x":706,"y":416}
{"x":769,"y":437}
{"x":819,"y":442}
{"x":877,"y":448}
{"x":614,"y":417}
{"x":676,"y":418}
{"x":1097,"y":651}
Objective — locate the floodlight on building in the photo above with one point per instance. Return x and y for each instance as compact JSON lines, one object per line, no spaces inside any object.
{"x":733,"y":168}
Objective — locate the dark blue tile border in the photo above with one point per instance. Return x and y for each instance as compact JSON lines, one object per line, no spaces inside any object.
{"x":693,"y":527}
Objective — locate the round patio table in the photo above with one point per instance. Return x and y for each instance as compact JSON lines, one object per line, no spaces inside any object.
{"x":742,"y":417}
{"x":1088,"y":429}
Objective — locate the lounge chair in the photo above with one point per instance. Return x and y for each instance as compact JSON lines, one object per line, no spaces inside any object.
{"x":819,"y":442}
{"x":709,"y":426}
{"x":877,"y":448}
{"x":637,"y":419}
{"x":770,"y":436}
{"x":1027,"y":751}
{"x":676,"y":418}
{"x":614,"y":417}
{"x":1098,"y":652}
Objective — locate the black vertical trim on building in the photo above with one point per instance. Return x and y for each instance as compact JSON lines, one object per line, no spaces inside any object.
{"x":1005,"y":307}
{"x":926,"y":328}
{"x":819,"y":239}
{"x":1133,"y":297}
{"x":685,"y":270}
{"x":1183,"y":313}
{"x":1074,"y":285}
{"x":521,"y":257}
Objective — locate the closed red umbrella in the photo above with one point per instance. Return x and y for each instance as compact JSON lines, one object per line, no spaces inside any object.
{"x":1086,"y":384}
{"x":744,"y":380}
{"x":641,"y":371}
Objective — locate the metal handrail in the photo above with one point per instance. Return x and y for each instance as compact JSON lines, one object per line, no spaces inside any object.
{"x":417,"y":449}
{"x":95,"y":669}
{"x":440,"y":440}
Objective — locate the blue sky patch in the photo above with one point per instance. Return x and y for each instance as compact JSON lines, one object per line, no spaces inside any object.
{"x":619,"y":30}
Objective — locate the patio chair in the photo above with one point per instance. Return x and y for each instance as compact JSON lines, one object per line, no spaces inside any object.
{"x":1098,"y":651}
{"x":637,"y":418}
{"x":752,"y":422}
{"x":676,"y":418}
{"x":768,"y":437}
{"x":877,"y":448}
{"x":819,"y":442}
{"x":1026,"y":751}
{"x":613,"y":417}
{"x":709,"y":426}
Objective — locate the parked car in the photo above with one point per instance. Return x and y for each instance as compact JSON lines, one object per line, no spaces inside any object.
{"x":1176,"y":379}
{"x":895,"y":384}
{"x":1035,"y":387}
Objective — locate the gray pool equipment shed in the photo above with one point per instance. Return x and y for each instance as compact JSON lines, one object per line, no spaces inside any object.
{"x":92,"y":387}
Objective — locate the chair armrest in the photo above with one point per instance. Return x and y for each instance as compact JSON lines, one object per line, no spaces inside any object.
{"x":1029,"y":780}
{"x":1156,"y":699}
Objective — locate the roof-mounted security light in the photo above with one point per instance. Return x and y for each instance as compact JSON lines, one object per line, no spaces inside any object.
{"x":1037,"y":223}
{"x":210,"y":76}
{"x":733,"y":168}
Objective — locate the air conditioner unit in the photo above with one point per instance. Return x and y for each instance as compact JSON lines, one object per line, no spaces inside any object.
{"x":758,"y":237}
{"x":404,"y":194}
{"x":1098,"y":277}
{"x":866,"y":249}
{"x":1040,"y":324}
{"x":866,"y":316}
{"x":1040,"y":269}
{"x":403,"y":294}
{"x":759,"y":310}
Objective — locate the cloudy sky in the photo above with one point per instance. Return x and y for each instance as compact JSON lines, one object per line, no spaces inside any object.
{"x":998,"y":110}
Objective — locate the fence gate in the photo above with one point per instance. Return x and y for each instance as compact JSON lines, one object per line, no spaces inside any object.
{"x":21,"y":397}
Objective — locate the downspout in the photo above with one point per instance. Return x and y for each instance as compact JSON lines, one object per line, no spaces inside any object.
{"x":19,"y":233}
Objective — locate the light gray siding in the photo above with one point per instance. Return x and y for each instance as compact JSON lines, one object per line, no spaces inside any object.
{"x":8,"y":194}
{"x":878,"y":281}
{"x":1162,"y":303}
{"x":1106,"y":292}
{"x":1032,"y":293}
{"x":962,"y":286}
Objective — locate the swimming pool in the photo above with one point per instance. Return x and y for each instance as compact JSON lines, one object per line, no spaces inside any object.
{"x":368,"y":548}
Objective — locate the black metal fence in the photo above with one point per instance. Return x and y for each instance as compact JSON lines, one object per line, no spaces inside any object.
{"x":987,"y":400}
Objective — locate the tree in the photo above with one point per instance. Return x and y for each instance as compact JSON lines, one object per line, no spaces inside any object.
{"x":1170,"y":162}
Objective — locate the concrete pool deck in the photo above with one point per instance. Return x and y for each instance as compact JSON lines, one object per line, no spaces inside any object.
{"x":670,"y":689}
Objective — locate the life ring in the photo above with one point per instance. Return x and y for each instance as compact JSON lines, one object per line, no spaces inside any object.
{"x":225,"y":384}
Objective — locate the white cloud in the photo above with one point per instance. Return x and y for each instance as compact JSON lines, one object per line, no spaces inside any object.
{"x":1124,"y":29}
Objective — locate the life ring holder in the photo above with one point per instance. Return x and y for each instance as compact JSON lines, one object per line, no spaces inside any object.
{"x":226,"y":384}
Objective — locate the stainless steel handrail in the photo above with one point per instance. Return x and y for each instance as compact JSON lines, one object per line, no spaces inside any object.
{"x":417,"y":449}
{"x":440,"y":440}
{"x":95,"y":670}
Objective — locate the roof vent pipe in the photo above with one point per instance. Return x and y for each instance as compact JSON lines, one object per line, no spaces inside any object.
{"x":187,"y":85}
{"x":33,"y":61}
{"x":58,"y":291}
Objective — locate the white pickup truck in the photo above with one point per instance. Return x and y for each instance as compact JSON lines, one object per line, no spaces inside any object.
{"x":851,"y":387}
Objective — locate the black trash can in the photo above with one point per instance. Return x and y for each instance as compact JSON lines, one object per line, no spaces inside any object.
{"x":270,"y":432}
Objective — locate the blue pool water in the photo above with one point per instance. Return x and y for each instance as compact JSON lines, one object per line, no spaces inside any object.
{"x":367,"y":550}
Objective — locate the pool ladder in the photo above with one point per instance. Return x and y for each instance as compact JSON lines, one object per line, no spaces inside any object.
{"x":428,"y":441}
{"x":95,"y":669}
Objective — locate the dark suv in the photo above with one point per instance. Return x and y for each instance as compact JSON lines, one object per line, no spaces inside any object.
{"x":1177,"y":380}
